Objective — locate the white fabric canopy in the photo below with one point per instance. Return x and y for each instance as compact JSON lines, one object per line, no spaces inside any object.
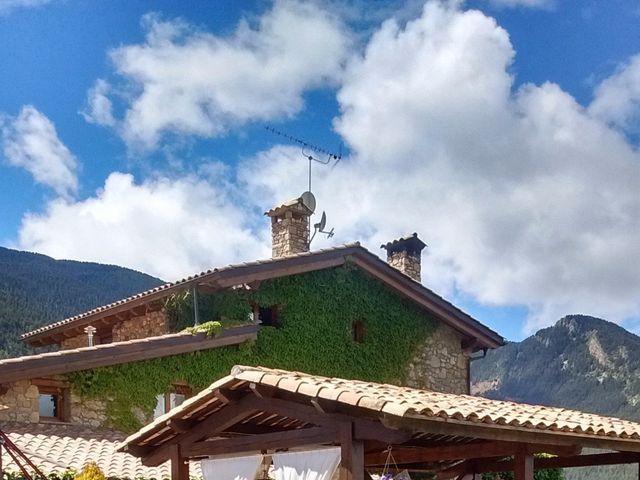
{"x":318,"y":464}
{"x":235,"y":468}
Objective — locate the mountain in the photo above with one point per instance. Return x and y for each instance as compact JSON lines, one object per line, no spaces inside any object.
{"x":36,"y":290}
{"x":581,"y":362}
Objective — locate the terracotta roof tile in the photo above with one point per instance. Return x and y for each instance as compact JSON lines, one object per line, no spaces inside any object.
{"x":419,"y":405}
{"x":56,"y":447}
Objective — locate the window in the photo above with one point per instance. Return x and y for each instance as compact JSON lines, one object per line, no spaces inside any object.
{"x":51,"y":404}
{"x":357,"y":331}
{"x":167,"y":401}
{"x":269,"y":316}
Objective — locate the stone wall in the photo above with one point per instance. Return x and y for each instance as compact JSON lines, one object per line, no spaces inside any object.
{"x":150,"y":325}
{"x":407,"y":263}
{"x":440,"y":363}
{"x":289,"y":234}
{"x":87,"y":412}
{"x":21,"y":399}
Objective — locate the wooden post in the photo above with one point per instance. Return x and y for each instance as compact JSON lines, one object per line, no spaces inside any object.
{"x":351,"y":455}
{"x":523,"y":466}
{"x":179,"y":467}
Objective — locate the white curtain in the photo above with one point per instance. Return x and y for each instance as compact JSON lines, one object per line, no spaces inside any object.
{"x":318,"y":464}
{"x":235,"y":468}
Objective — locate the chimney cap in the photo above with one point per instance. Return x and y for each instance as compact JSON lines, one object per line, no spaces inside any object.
{"x":295,"y":204}
{"x":410,"y":244}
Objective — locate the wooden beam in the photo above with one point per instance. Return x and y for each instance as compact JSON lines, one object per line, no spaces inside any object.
{"x":590,"y":460}
{"x":180,"y":426}
{"x":351,"y":454}
{"x":229,"y":396}
{"x":364,"y":429}
{"x":523,"y":466}
{"x":123,"y":352}
{"x":507,"y":433}
{"x":617,"y":458}
{"x":210,"y":426}
{"x":406,"y":455}
{"x":179,"y":467}
{"x":256,"y":443}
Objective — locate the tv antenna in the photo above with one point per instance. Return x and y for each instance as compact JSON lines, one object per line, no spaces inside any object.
{"x":307,"y":148}
{"x":308,"y":199}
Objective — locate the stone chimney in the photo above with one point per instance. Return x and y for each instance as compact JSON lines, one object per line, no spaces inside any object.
{"x":404,"y":254}
{"x":289,"y":228}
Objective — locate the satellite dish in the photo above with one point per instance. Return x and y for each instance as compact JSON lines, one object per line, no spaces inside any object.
{"x":309,"y":201}
{"x":323,"y":222}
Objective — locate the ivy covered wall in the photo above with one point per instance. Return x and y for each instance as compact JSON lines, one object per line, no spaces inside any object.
{"x":316,"y":313}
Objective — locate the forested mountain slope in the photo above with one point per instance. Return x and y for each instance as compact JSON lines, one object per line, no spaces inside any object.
{"x":581,"y":362}
{"x":36,"y":290}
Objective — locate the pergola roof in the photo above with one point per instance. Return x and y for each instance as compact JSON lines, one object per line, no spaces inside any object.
{"x":259,"y":408}
{"x":245,"y":273}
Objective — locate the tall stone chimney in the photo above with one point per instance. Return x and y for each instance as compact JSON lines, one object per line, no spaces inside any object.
{"x":289,"y":228}
{"x":405,"y":255}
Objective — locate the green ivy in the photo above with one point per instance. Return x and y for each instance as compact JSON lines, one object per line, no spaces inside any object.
{"x":210,"y":328}
{"x":316,"y":312}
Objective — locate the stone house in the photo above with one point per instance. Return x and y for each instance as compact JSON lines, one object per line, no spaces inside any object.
{"x":337,"y":312}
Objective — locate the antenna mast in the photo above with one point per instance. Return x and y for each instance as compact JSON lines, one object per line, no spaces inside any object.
{"x":308,"y":196}
{"x":310,"y":147}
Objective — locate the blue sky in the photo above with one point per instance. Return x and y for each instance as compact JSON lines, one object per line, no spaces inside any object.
{"x":504,"y":131}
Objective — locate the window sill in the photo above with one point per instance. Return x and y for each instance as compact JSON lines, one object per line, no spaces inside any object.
{"x":54,"y":421}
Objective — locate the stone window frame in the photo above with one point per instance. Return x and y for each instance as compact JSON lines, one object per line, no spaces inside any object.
{"x":62,"y":394}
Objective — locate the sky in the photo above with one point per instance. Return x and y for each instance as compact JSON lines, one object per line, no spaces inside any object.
{"x":504,"y":132}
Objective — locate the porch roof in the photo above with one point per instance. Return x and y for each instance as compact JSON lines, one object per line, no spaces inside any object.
{"x":261,"y":408}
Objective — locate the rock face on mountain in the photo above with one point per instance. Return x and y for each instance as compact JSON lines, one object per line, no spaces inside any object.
{"x":581,"y":362}
{"x":36,"y":290}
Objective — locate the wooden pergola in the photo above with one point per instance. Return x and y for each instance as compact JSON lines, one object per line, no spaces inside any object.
{"x":257,"y":409}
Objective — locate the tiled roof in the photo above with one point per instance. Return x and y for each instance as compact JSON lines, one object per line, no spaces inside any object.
{"x":414,"y":403}
{"x":382,"y":400}
{"x":170,"y":286}
{"x":71,"y":360}
{"x":55,"y":447}
{"x":306,"y":261}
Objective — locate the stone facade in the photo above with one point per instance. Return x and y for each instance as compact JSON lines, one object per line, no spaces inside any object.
{"x":407,"y":263}
{"x":87,"y":412}
{"x":289,"y":230}
{"x":440,"y":363}
{"x":21,"y":398}
{"x":150,"y":325}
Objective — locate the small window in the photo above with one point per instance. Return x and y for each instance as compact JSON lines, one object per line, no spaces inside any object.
{"x":51,"y":405}
{"x":269,"y":316}
{"x":357,"y":331}
{"x":167,"y":401}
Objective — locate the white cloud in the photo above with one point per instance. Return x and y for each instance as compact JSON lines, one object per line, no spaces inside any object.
{"x":163,"y":226}
{"x":30,"y":141}
{"x":189,"y":82}
{"x":523,"y":197}
{"x":99,"y":107}
{"x":617,"y":99}
{"x":7,"y":6}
